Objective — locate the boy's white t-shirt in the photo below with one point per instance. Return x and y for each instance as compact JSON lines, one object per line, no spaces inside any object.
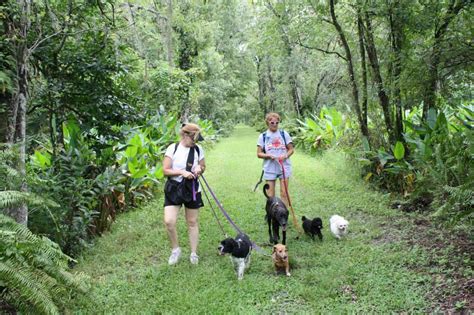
{"x":180,"y":157}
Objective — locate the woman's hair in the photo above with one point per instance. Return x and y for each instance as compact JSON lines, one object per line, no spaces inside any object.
{"x":190,"y":129}
{"x":270,"y":116}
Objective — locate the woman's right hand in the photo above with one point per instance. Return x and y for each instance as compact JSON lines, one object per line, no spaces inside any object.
{"x":188,"y":175}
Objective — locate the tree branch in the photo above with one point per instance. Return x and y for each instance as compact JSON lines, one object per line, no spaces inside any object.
{"x":321,"y":50}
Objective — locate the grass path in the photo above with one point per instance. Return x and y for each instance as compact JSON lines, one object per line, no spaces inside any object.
{"x":363,"y":273}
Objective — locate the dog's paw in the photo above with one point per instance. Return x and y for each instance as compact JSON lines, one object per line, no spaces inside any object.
{"x":288,"y":274}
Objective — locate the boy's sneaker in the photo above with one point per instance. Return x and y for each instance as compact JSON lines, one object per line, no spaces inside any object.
{"x":194,"y":258}
{"x":175,"y":253}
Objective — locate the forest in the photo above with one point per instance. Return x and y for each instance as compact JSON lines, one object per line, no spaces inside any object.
{"x":93,"y":92}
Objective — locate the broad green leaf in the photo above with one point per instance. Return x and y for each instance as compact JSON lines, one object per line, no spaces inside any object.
{"x":365,"y":144}
{"x":399,"y":150}
{"x":43,"y":160}
{"x":431,"y":120}
{"x":311,"y":124}
{"x":131,"y":151}
{"x":136,"y":141}
{"x":159,"y":172}
{"x":140,"y":173}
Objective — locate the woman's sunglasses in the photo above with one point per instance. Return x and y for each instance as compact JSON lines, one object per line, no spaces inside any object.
{"x":274,"y":122}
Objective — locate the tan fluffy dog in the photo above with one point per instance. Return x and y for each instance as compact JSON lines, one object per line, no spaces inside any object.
{"x":280,"y":258}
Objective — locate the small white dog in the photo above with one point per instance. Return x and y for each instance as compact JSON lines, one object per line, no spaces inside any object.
{"x":339,"y":226}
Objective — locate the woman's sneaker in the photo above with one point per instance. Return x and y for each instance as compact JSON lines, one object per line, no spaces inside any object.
{"x":175,"y":253}
{"x":194,"y":258}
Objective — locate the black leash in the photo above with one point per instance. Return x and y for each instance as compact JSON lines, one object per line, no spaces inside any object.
{"x":259,"y":182}
{"x":214,"y":213}
{"x":226,"y":215}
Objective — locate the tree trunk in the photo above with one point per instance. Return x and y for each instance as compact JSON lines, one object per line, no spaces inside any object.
{"x":292,"y":74}
{"x":363,"y":66}
{"x":296,"y":93}
{"x":17,"y":119}
{"x":271,"y":86}
{"x":169,"y":33}
{"x":429,"y":99}
{"x":397,"y":40}
{"x":377,"y":77}
{"x":318,"y":90}
{"x":350,"y":69}
{"x":261,"y":85}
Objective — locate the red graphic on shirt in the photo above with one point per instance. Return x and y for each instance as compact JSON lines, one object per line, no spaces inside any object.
{"x":276,"y":144}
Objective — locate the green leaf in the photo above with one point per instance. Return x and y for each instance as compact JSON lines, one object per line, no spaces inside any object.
{"x":159,"y":172}
{"x":399,"y":150}
{"x":136,"y":141}
{"x":311,"y":124}
{"x":431,"y":120}
{"x":131,"y":151}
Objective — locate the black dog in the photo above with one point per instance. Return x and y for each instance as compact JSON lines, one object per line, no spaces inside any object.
{"x":240,"y":249}
{"x":277,"y":215}
{"x":313,"y":227}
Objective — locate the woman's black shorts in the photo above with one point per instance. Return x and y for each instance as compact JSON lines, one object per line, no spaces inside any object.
{"x":172,"y":198}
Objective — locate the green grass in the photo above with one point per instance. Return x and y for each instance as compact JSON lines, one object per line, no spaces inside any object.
{"x":363,"y":273}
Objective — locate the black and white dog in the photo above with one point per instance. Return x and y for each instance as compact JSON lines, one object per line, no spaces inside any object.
{"x":313,"y":227}
{"x":239,"y":248}
{"x":277,"y":215}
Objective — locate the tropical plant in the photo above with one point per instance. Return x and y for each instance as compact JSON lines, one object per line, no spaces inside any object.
{"x":438,"y":163}
{"x":323,"y":131}
{"x":34,"y":275}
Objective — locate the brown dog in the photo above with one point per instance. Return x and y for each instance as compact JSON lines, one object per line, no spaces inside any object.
{"x":280,"y":258}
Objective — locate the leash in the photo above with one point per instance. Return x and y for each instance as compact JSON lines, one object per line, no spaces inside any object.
{"x":215,"y":214}
{"x":285,"y":184}
{"x":226,"y":215}
{"x":259,"y":182}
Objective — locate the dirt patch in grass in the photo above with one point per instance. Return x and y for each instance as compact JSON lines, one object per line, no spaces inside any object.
{"x":449,"y":263}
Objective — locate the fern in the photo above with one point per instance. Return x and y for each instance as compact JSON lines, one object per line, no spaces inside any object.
{"x":33,"y":270}
{"x":457,"y":203}
{"x":13,"y":198}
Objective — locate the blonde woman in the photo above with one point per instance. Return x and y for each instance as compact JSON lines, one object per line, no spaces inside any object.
{"x":183,"y":161}
{"x":275,"y":146}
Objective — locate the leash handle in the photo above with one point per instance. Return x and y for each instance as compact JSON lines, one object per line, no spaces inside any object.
{"x":285,"y":185}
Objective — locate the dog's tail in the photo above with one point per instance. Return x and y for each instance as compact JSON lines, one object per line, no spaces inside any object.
{"x":265,"y":187}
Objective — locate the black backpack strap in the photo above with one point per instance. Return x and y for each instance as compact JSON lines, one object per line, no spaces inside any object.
{"x":190,"y":161}
{"x":196,"y":147}
{"x":282,"y":134}
{"x":264,"y":135}
{"x":198,"y":151}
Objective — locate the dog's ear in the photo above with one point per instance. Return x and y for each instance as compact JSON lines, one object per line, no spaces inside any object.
{"x":274,"y":249}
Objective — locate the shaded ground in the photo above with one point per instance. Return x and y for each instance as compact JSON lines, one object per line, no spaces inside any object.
{"x":449,"y":261}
